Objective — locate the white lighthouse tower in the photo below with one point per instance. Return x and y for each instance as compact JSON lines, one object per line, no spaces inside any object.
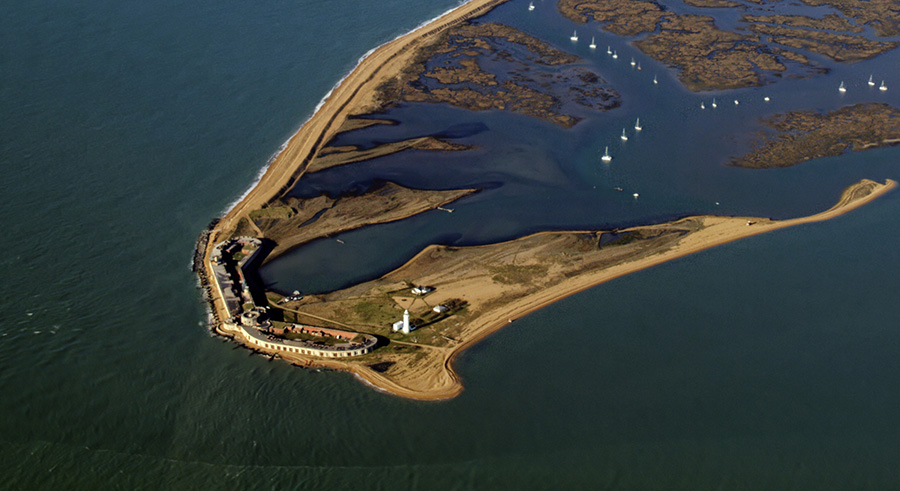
{"x":406,"y":322}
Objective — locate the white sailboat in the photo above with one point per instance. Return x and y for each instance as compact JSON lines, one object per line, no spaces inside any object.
{"x":624,"y":137}
{"x":633,"y":63}
{"x":606,"y":156}
{"x":654,"y":80}
{"x":702,"y":105}
{"x":609,"y":50}
{"x":714,"y":103}
{"x":637,"y":125}
{"x":615,"y":54}
{"x":531,"y":6}
{"x":871,"y":83}
{"x":736,"y":102}
{"x":842,"y":88}
{"x":766,"y":98}
{"x":593,"y":44}
{"x":574,"y":37}
{"x":882,"y":87}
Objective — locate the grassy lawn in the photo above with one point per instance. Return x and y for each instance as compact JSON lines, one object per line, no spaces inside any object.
{"x":379,"y":312}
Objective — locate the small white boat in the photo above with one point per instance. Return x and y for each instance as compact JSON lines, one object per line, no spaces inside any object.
{"x":574,"y":37}
{"x":702,"y":105}
{"x":608,"y":50}
{"x":714,"y":103}
{"x":615,"y":54}
{"x":635,"y":195}
{"x":842,"y":88}
{"x":637,"y":125}
{"x":633,"y":63}
{"x":624,"y":137}
{"x":606,"y":156}
{"x":593,"y":44}
{"x":654,"y":80}
{"x":736,"y":102}
{"x":766,"y":98}
{"x":882,"y":87}
{"x":871,"y":82}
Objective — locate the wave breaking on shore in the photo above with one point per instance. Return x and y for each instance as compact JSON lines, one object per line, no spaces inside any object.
{"x":262,"y":171}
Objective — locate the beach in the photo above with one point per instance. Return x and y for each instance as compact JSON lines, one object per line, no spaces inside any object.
{"x":536,"y":281}
{"x":354,"y":95}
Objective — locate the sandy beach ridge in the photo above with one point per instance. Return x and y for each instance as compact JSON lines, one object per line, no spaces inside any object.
{"x":435,"y":379}
{"x":354,"y":95}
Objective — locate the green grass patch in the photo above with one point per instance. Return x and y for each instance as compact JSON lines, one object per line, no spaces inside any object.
{"x":244,"y":229}
{"x":511,"y":274}
{"x":375,"y":312}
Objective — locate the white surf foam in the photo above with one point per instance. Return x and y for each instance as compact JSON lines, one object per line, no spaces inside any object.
{"x":321,"y":103}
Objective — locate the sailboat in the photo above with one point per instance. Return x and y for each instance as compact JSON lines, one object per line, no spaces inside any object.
{"x":574,"y":37}
{"x":882,"y":87}
{"x":608,"y":50}
{"x":766,"y":98}
{"x":714,"y":103}
{"x":633,"y":62}
{"x":639,"y":66}
{"x":531,"y":6}
{"x":615,"y":54}
{"x":606,"y":156}
{"x":736,"y":102}
{"x":654,"y":80}
{"x":593,"y":44}
{"x":871,"y":83}
{"x":702,"y":105}
{"x":842,"y":88}
{"x":637,"y":125}
{"x":624,"y":137}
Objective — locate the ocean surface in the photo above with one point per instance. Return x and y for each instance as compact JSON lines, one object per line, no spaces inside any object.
{"x":770,"y":363}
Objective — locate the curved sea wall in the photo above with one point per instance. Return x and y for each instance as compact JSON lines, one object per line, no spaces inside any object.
{"x":259,"y":340}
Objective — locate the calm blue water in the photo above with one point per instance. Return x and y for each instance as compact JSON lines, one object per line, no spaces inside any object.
{"x":769,"y":363}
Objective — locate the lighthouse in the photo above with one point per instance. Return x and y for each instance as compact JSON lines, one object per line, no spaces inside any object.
{"x":406,"y":322}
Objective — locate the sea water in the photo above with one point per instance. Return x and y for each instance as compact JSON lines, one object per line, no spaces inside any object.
{"x":767,"y":363}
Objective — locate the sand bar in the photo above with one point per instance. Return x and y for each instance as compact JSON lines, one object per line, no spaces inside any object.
{"x":470,"y":273}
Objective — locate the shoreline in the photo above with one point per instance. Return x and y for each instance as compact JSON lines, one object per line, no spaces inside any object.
{"x":336,"y":106}
{"x":357,"y":93}
{"x":439,"y":381}
{"x":493,"y":325}
{"x":345,"y":99}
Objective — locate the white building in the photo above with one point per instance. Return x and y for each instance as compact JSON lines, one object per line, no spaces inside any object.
{"x":404,"y":325}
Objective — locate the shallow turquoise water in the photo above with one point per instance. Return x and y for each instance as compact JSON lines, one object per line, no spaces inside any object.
{"x":768,"y":363}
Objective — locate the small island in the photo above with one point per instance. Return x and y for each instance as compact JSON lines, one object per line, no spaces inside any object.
{"x":805,"y":135}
